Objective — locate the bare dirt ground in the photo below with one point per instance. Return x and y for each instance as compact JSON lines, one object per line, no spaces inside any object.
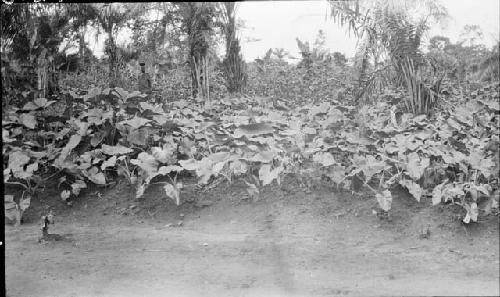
{"x":288,"y":243}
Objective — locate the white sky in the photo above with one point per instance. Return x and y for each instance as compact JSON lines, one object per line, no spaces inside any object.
{"x":277,"y":23}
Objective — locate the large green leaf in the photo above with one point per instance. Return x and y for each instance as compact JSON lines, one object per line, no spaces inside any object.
{"x":148,"y":163}
{"x":416,"y":166}
{"x":384,"y":200}
{"x":413,"y":188}
{"x":115,"y":150}
{"x":28,"y":120}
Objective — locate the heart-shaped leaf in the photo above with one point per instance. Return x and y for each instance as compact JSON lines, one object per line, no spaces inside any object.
{"x":173,"y":193}
{"x":384,"y":200}
{"x":115,"y":150}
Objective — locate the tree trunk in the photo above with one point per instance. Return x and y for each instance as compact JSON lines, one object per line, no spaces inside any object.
{"x":362,"y":77}
{"x":112,"y":57}
{"x":82,"y":47}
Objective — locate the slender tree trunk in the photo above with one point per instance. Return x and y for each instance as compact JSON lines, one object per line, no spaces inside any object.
{"x":112,"y":57}
{"x":82,"y":47}
{"x":362,"y":77}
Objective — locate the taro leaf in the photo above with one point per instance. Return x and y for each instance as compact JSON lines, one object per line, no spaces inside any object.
{"x":372,"y":167}
{"x":74,"y":140}
{"x":11,"y":208}
{"x":17,"y":160}
{"x":472,"y":213}
{"x":164,"y":170}
{"x":30,"y":169}
{"x":161,"y":119}
{"x":95,"y":176}
{"x":147,"y":163}
{"x":111,"y":162}
{"x":154,"y":108}
{"x":418,"y":119}
{"x":96,"y":116}
{"x":324,"y":158}
{"x":83,"y":127}
{"x":437,"y":193}
{"x":62,"y":133}
{"x":65,"y":195}
{"x":85,"y":161}
{"x":451,"y":191}
{"x":12,"y":213}
{"x":219,"y":157}
{"x":5,"y":136}
{"x":8,"y":198}
{"x":120,"y":93}
{"x":253,"y":130}
{"x":391,"y":148}
{"x":138,"y":137}
{"x":264,"y":157}
{"x":413,"y":188}
{"x":337,"y":174}
{"x":416,"y":166}
{"x":166,"y":154}
{"x":204,"y":170}
{"x":30,"y":106}
{"x":140,"y":191}
{"x":115,"y":150}
{"x":28,"y":120}
{"x":478,"y":161}
{"x":24,"y":203}
{"x":173,"y":193}
{"x":217,"y":168}
{"x":423,"y":135}
{"x":482,"y":188}
{"x":319,"y":109}
{"x":308,"y":130}
{"x":454,"y":124}
{"x":187,"y":147}
{"x":136,"y":122}
{"x":266,"y":175}
{"x":43,"y":102}
{"x":92,"y":92}
{"x":445,"y":132}
{"x":38,"y":103}
{"x":464,"y":115}
{"x":384,"y":200}
{"x":238,"y":167}
{"x":77,"y":186}
{"x":491,"y":104}
{"x":368,"y":165}
{"x":252,"y":190}
{"x":264,"y":140}
{"x":335,"y":115}
{"x":97,"y":138}
{"x":190,"y":164}
{"x":492,"y":202}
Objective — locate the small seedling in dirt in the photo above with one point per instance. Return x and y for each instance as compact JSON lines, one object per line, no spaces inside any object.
{"x":425,"y":232}
{"x":45,"y":222}
{"x":383,"y":215}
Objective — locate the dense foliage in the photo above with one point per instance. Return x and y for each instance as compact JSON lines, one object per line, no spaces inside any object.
{"x":304,"y":119}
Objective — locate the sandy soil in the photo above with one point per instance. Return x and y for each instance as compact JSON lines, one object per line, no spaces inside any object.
{"x":288,"y":243}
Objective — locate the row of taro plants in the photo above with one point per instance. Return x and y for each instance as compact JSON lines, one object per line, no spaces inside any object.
{"x":99,"y":134}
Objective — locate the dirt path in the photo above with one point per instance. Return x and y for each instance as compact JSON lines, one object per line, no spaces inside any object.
{"x":274,"y":247}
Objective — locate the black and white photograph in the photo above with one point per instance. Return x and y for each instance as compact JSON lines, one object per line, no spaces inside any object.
{"x":251,"y":148}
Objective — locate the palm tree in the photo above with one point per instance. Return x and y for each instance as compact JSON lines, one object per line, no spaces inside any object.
{"x":234,"y":65}
{"x":110,"y":17}
{"x":197,"y":20}
{"x":388,"y":32}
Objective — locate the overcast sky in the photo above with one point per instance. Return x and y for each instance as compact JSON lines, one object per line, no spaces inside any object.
{"x":276,"y":24}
